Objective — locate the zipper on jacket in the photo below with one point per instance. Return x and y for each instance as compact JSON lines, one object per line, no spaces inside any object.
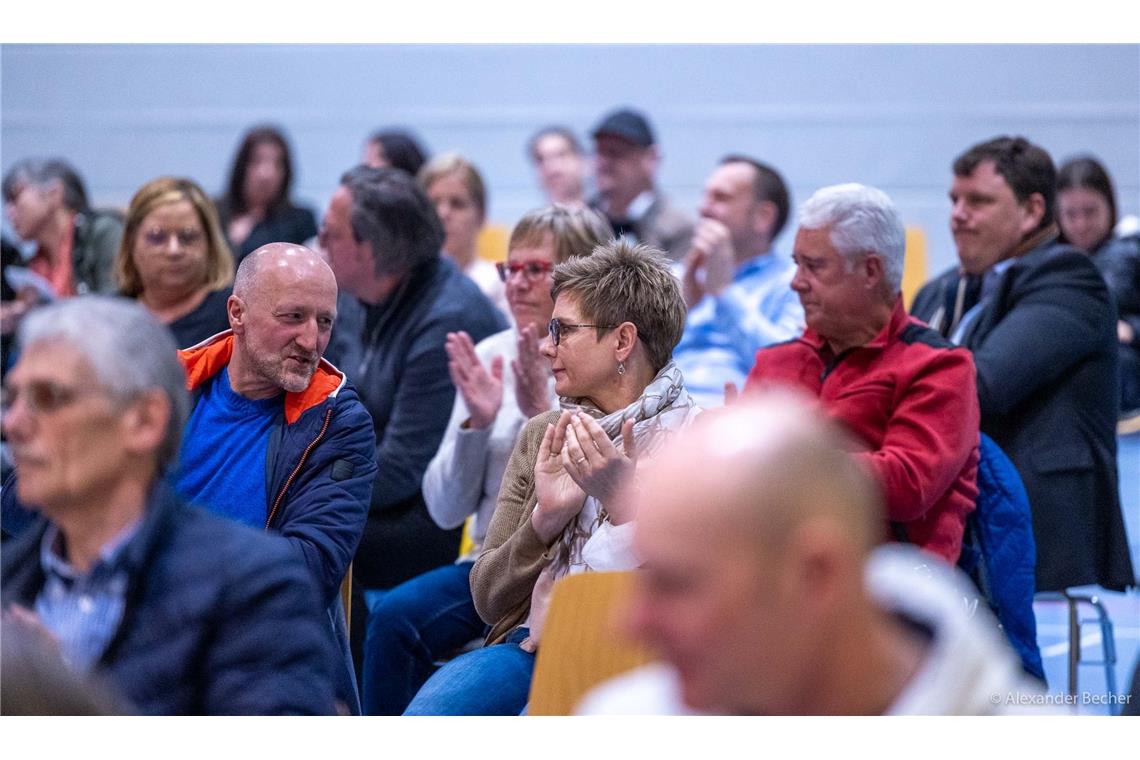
{"x":830,"y":366}
{"x":297,"y":469}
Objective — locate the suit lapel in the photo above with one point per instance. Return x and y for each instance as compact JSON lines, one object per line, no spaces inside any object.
{"x":993,"y":309}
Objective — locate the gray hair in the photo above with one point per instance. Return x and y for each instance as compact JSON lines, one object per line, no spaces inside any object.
{"x":246,"y":275}
{"x":862,"y":220}
{"x":129,"y":350}
{"x":392,"y":213}
{"x":40,"y":173}
{"x":626,"y":282}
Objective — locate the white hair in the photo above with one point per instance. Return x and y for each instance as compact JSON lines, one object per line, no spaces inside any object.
{"x":129,"y":351}
{"x":862,"y":220}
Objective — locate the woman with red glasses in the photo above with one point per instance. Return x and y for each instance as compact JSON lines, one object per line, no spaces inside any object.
{"x":502,"y":382}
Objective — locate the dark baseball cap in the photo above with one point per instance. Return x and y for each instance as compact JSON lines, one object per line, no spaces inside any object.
{"x":627,"y":124}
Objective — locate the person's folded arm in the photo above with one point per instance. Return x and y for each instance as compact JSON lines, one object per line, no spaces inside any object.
{"x":930,"y":436}
{"x":513,"y":555}
{"x":1062,"y":311}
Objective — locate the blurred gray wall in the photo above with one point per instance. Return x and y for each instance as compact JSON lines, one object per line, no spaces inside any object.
{"x":889,"y":116}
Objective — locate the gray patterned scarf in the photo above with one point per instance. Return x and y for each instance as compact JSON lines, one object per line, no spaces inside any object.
{"x":666,"y":393}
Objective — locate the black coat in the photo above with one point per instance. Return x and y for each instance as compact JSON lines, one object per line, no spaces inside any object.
{"x":394,"y":354}
{"x":1044,"y":346}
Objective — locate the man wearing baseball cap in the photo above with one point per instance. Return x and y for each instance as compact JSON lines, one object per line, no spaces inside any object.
{"x":625,"y":164}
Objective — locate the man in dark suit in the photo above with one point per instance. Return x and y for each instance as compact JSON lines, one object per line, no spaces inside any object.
{"x":1041,"y":324}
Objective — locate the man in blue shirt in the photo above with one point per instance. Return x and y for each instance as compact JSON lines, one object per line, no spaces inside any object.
{"x":179,"y":611}
{"x":737,"y":289}
{"x":278,"y":438}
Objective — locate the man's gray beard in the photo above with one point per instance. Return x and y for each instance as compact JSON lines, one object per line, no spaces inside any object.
{"x":275,"y":372}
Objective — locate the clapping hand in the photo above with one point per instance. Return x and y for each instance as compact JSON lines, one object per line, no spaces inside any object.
{"x":560,"y":498}
{"x":596,"y":464}
{"x":482,"y":391}
{"x":532,"y":374}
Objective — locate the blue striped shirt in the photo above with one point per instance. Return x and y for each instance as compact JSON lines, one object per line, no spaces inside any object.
{"x":724,"y":332}
{"x":83,"y":610}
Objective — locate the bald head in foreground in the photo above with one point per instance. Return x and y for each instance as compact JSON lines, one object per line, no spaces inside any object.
{"x":763,"y":590}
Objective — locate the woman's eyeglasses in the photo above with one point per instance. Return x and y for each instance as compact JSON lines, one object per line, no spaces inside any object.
{"x":557,"y":327}
{"x":532,"y":270}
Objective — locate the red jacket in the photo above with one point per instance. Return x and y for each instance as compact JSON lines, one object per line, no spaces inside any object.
{"x":910,"y":396}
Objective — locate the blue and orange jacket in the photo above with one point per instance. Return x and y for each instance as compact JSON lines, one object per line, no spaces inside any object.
{"x":320,"y":464}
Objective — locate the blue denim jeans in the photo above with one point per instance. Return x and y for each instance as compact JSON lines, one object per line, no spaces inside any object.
{"x":494,"y":680}
{"x":410,"y":627}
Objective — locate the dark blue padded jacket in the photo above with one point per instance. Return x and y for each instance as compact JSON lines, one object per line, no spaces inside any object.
{"x":219,"y":619}
{"x":999,"y":552}
{"x":319,"y":467}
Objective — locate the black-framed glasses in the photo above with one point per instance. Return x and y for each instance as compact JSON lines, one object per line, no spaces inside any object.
{"x":557,"y":327}
{"x":186,"y":238}
{"x":40,"y":397}
{"x":532,"y":270}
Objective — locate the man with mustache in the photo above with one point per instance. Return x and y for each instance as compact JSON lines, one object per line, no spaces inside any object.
{"x":626,"y":162}
{"x":278,"y":438}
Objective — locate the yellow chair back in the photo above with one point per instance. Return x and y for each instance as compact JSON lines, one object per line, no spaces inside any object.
{"x":914,"y":268}
{"x":492,"y":243}
{"x":580,"y":646}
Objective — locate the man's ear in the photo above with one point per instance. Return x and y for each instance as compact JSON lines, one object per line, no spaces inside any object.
{"x":814,"y":564}
{"x":145,"y":421}
{"x":53,"y":190}
{"x":236,"y":313}
{"x":764,"y":219}
{"x":366,"y":255}
{"x":872,"y":268}
{"x":1033,"y":211}
{"x":650,"y":160}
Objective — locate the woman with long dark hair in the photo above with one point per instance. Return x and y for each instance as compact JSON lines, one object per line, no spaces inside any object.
{"x":1086,"y":211}
{"x":256,"y":208}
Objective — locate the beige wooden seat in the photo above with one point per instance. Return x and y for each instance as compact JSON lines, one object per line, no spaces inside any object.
{"x":580,"y":645}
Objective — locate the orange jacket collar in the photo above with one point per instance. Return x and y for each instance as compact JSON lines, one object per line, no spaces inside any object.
{"x":206,"y":359}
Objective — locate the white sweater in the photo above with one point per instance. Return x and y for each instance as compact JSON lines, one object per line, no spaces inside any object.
{"x":968,"y":668}
{"x":463,"y":477}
